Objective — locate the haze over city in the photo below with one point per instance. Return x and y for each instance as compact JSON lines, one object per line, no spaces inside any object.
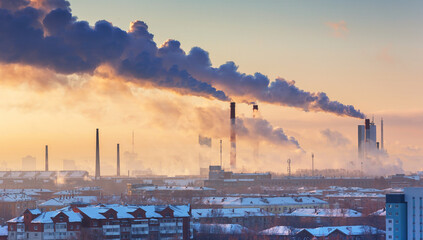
{"x":223,"y":120}
{"x":171,"y":68}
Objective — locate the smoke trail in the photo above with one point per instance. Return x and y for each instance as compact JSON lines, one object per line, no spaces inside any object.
{"x":245,"y":87}
{"x":261,"y":129}
{"x":44,"y":33}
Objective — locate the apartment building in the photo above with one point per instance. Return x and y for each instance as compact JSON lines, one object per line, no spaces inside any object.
{"x":104,"y":222}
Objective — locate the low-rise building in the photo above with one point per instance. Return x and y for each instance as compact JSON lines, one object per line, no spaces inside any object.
{"x":253,"y":218}
{"x":14,"y":204}
{"x":104,"y":221}
{"x":61,"y":202}
{"x":274,"y":205}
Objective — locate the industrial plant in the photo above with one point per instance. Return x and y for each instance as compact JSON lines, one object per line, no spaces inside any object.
{"x":217,"y":203}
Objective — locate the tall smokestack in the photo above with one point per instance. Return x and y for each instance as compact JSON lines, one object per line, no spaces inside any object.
{"x":256,"y":142}
{"x":97,"y":157}
{"x":118,"y":161}
{"x":221,"y":163}
{"x":46,"y":168}
{"x":233,"y":137}
{"x":381,"y":134}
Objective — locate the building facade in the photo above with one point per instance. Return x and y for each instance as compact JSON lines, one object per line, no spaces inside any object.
{"x":396,"y":216}
{"x":404,"y":214}
{"x":104,"y":222}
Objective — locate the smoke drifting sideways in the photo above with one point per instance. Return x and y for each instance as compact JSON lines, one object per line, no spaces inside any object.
{"x":261,"y":129}
{"x":44,"y":33}
{"x":212,"y":121}
{"x":56,"y":40}
{"x":244,"y":87}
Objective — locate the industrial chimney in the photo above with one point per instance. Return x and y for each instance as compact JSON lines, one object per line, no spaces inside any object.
{"x":256,"y":141}
{"x":46,"y":168}
{"x":118,"y":161}
{"x":97,"y":157}
{"x":233,"y":138}
{"x":381,"y":134}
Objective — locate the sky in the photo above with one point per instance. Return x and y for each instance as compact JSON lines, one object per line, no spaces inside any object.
{"x":365,"y":54}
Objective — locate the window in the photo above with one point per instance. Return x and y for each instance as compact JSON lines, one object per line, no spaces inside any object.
{"x":35,"y":227}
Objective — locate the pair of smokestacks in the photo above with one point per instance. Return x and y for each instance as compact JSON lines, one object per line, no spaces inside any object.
{"x":97,"y":157}
{"x":233,"y":135}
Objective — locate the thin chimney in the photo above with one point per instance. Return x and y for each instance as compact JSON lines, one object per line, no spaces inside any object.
{"x":118,"y":161}
{"x":97,"y":157}
{"x":46,"y":163}
{"x":233,"y":137}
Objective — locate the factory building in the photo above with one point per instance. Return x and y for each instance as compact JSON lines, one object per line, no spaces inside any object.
{"x":367,"y":139}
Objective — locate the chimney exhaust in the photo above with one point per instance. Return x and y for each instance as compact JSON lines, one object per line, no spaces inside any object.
{"x":97,"y":157}
{"x":233,"y":138}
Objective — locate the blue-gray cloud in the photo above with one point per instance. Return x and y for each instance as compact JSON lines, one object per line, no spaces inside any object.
{"x":47,"y":35}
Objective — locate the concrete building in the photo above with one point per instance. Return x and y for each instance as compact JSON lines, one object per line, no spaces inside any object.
{"x":404,"y":214}
{"x":396,"y":216}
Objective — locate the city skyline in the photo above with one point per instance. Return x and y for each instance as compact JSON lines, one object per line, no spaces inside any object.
{"x":367,"y":59}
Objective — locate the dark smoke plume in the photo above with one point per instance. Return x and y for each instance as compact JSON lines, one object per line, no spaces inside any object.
{"x":44,"y":33}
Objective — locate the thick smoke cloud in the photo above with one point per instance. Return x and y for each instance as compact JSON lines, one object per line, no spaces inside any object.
{"x":246,"y":87}
{"x":55,"y":40}
{"x":44,"y":33}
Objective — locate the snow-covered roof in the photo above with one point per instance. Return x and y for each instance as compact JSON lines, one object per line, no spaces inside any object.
{"x":323,"y":212}
{"x":173,"y":188}
{"x":67,"y":192}
{"x":47,"y":217}
{"x":16,"y":220}
{"x":261,"y":201}
{"x":380,"y":212}
{"x":220,"y":228}
{"x":356,"y":195}
{"x":66,"y":201}
{"x":34,"y":211}
{"x":322,"y":231}
{"x":347,"y":230}
{"x":15,"y":197}
{"x":279,"y":231}
{"x":228,"y":212}
{"x":3,"y":231}
{"x":151,"y":211}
